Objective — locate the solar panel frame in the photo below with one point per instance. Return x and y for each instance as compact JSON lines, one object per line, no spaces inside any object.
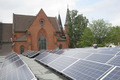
{"x":82,"y":55}
{"x":48,"y":59}
{"x":13,"y":68}
{"x":109,"y":52}
{"x":103,"y":58}
{"x":115,"y":61}
{"x":103,"y":69}
{"x":62,"y":62}
{"x":113,"y":75}
{"x":33,"y":54}
{"x":41,"y":56}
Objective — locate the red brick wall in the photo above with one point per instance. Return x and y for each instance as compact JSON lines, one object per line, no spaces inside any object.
{"x":35,"y":31}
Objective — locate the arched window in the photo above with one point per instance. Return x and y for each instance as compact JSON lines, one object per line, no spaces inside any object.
{"x":60,"y":46}
{"x":42,"y":43}
{"x":21,"y":49}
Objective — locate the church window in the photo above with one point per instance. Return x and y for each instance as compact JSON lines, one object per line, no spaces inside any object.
{"x":21,"y":49}
{"x":42,"y":43}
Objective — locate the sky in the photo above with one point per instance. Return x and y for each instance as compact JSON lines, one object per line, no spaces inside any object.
{"x":109,"y":10}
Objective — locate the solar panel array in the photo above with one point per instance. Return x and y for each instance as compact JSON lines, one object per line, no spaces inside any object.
{"x":31,"y":54}
{"x":13,"y":68}
{"x":114,"y":75}
{"x":83,"y":63}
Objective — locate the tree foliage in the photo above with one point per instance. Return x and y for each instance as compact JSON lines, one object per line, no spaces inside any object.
{"x":96,"y":33}
{"x":113,"y":35}
{"x":76,"y":26}
{"x":87,"y":38}
{"x":100,"y":29}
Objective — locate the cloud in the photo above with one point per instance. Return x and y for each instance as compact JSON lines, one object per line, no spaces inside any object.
{"x":116,"y":20}
{"x":32,"y":7}
{"x":107,"y":9}
{"x":104,"y":9}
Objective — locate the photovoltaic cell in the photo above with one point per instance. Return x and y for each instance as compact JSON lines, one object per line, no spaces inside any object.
{"x":60,"y":52}
{"x":86,"y":70}
{"x":13,"y":68}
{"x":118,"y":53}
{"x":100,"y":57}
{"x":49,"y":58}
{"x":115,"y":61}
{"x":82,"y":55}
{"x":7,"y":62}
{"x":40,"y":56}
{"x":70,"y":52}
{"x":33,"y":54}
{"x":62,"y":62}
{"x":27,"y":52}
{"x":54,"y":51}
{"x":112,"y":52}
{"x":114,"y":75}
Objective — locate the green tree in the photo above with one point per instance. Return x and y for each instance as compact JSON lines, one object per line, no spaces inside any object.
{"x":100,"y":29}
{"x":86,"y":39}
{"x":76,"y":25}
{"x":113,"y":35}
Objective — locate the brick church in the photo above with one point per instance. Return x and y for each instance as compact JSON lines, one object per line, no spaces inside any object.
{"x":38,"y":32}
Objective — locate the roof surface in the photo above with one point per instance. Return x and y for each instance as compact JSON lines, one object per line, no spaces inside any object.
{"x":22,"y":38}
{"x":22,"y":22}
{"x":6,"y":32}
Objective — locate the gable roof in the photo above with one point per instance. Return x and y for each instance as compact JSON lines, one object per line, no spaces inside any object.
{"x":21,"y":39}
{"x":22,"y":22}
{"x":54,"y":22}
{"x":6,"y":32}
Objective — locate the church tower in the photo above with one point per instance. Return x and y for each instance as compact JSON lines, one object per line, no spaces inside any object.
{"x":67,"y":20}
{"x":66,"y":25}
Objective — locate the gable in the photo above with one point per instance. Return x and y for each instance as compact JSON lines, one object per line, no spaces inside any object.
{"x":21,"y":23}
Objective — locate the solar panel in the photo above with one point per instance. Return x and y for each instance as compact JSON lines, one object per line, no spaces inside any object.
{"x":62,"y":62}
{"x":40,"y":56}
{"x":100,"y":57}
{"x":7,"y":62}
{"x":82,"y":55}
{"x":113,"y":52}
{"x":54,"y":51}
{"x":33,"y":54}
{"x":92,"y":50}
{"x":23,"y":73}
{"x":60,"y":52}
{"x":70,"y":52}
{"x":115,"y":61}
{"x":27,"y":52}
{"x":86,"y":70}
{"x":11,"y":56}
{"x":118,"y":53}
{"x":49,"y":58}
{"x":13,"y":68}
{"x":113,"y":75}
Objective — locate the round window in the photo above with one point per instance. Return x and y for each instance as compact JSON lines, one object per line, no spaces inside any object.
{"x":41,"y":22}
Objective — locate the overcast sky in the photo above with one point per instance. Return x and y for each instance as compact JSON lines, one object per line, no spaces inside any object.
{"x":109,"y":10}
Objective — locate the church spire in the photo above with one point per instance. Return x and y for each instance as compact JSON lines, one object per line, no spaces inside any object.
{"x":67,"y":16}
{"x":59,"y":20}
{"x":60,"y":24}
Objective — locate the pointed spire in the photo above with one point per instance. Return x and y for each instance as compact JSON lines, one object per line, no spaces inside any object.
{"x":67,"y":16}
{"x":59,"y":20}
{"x":60,"y":24}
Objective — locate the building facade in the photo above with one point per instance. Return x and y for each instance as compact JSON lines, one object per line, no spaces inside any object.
{"x":36,"y":33}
